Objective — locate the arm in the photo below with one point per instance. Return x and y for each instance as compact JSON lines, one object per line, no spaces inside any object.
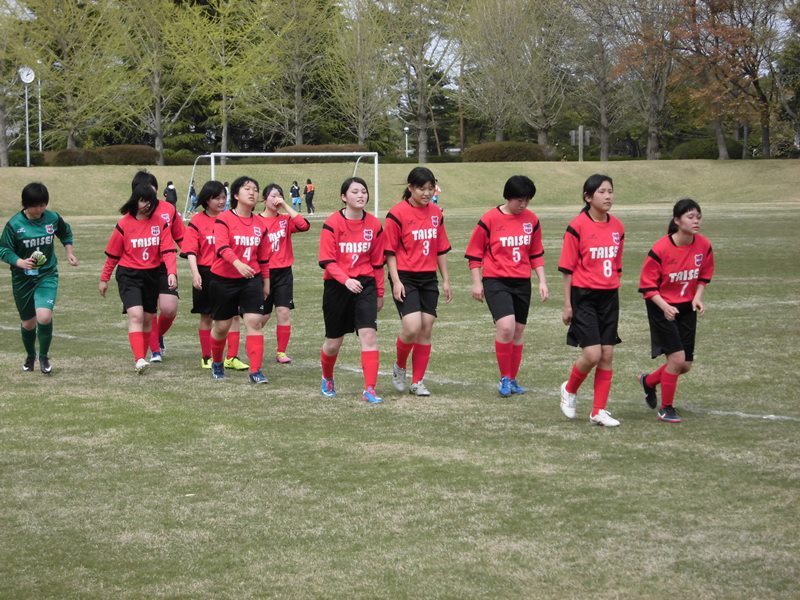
{"x":544,"y":292}
{"x":398,"y":289}
{"x":566,"y":313}
{"x":697,"y":301}
{"x":65,"y":235}
{"x":441,"y":262}
{"x":477,"y":282}
{"x":197,"y":280}
{"x":670,"y":312}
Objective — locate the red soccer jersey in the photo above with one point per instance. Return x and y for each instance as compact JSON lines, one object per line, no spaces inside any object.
{"x":415,"y":236}
{"x":170,"y":216}
{"x":673,"y":271}
{"x":350,"y":248}
{"x":140,"y":244}
{"x":280,"y":229}
{"x":506,"y":245}
{"x":240,"y":238}
{"x":199,"y":239}
{"x":592,"y":252}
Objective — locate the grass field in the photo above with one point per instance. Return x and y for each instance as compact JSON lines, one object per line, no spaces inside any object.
{"x":173,"y":485}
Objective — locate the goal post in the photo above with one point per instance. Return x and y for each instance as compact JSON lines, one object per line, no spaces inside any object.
{"x":213,"y":157}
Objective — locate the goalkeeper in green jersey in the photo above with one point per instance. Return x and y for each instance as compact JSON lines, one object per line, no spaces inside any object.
{"x":27,"y":244}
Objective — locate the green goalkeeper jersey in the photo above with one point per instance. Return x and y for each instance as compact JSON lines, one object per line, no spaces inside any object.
{"x":22,"y":237}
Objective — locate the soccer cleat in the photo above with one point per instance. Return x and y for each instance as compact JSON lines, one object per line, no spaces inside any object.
{"x":205,"y":363}
{"x":668,"y":414}
{"x":282,"y":359}
{"x":504,"y":387}
{"x":45,"y":366}
{"x":29,"y":364}
{"x":236,"y":364}
{"x":398,"y":378}
{"x":328,"y":389}
{"x":155,"y":357}
{"x":371,"y":397}
{"x":603,"y":417}
{"x":649,"y":392}
{"x":217,"y":370}
{"x":258,"y":377}
{"x":517,"y":388}
{"x":419,"y":389}
{"x":568,"y":402}
{"x":141,"y":366}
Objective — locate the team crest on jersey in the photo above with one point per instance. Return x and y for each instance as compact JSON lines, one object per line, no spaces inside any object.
{"x":435,"y":220}
{"x":368,"y":235}
{"x":527,"y":228}
{"x":698,"y":260}
{"x":49,"y":229}
{"x":257,"y":231}
{"x":616,"y":237}
{"x":283,"y":224}
{"x":165,"y":216}
{"x":155,"y":230}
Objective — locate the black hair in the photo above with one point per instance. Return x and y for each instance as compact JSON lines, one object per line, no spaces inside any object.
{"x":143,"y":191}
{"x":519,"y":186}
{"x":681,"y":207}
{"x":35,"y":194}
{"x":236,"y":186}
{"x":144,"y":177}
{"x":350,"y":181}
{"x":418,"y":177}
{"x":308,"y":181}
{"x":269,"y":188}
{"x":211,"y":189}
{"x":593,"y":183}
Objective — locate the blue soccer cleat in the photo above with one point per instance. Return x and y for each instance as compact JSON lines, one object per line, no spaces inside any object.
{"x":504,"y":387}
{"x":328,"y":389}
{"x":517,"y":388}
{"x":258,"y":377}
{"x":371,"y":397}
{"x":218,"y":370}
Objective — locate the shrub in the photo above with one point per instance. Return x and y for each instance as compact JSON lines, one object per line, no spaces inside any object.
{"x":16,"y":158}
{"x":179,"y":157}
{"x":705,"y":148}
{"x":76,"y":156}
{"x":507,"y":152}
{"x":128,"y":154}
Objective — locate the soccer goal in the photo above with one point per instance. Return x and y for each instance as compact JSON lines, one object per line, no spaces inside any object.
{"x":215,"y":159}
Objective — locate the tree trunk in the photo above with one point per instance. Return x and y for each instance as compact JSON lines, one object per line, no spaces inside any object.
{"x":652,"y":142}
{"x":224,"y":140}
{"x":745,"y":131}
{"x":722,"y":147}
{"x":603,"y":132}
{"x":298,"y":113}
{"x":3,"y":138}
{"x":541,"y":137}
{"x":765,"y":151}
{"x":158,"y":119}
{"x":499,"y":136}
{"x":71,"y":143}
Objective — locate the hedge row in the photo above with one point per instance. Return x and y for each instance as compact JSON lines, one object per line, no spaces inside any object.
{"x":705,"y":148}
{"x":125,"y":154}
{"x":508,"y":152}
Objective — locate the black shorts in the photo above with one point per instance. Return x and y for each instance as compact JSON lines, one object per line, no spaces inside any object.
{"x":346,"y":312}
{"x":163,"y":282}
{"x":233,"y":296}
{"x":281,"y":289}
{"x":138,"y":287}
{"x":201,"y":299}
{"x":667,"y":337}
{"x":422,"y":292}
{"x":508,"y":296}
{"x":595,"y":317}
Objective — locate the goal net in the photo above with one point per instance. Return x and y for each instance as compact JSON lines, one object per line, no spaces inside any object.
{"x":326,"y":176}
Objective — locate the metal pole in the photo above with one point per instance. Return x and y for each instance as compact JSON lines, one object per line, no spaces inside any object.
{"x":580,"y":143}
{"x":27,"y":132}
{"x":39,"y":93}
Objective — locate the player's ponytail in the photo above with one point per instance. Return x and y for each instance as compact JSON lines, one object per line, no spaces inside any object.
{"x":681,"y":207}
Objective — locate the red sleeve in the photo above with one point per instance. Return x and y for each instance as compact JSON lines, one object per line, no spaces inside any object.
{"x":650,"y":277}
{"x":169,"y":252}
{"x":299,"y":223}
{"x":177,"y":228}
{"x":114,"y":249}
{"x":328,"y":253}
{"x":191,"y":241}
{"x":377,"y":259}
{"x":619,"y":254}
{"x":222,"y":241}
{"x":392,"y":233}
{"x":476,"y":248}
{"x":444,"y":241}
{"x":570,"y":249}
{"x":537,"y":247}
{"x":264,"y":254}
{"x":707,"y":270}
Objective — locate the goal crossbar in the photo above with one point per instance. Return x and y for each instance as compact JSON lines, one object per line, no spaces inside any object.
{"x":213,"y":156}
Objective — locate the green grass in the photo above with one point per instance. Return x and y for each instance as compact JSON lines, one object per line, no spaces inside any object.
{"x":172,"y":485}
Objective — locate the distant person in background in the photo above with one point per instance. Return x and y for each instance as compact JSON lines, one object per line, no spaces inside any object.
{"x":436,"y":191}
{"x":227,"y":196}
{"x":28,"y":245}
{"x":280,"y":229}
{"x":139,"y":246}
{"x":294,"y":192}
{"x":674,"y":277}
{"x":192,"y":198}
{"x":171,"y":194}
{"x":309,"y":193}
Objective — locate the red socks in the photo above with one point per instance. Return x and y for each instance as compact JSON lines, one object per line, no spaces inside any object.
{"x":369,"y":364}
{"x":254,"y":346}
{"x":205,"y":342}
{"x":516,"y":359}
{"x":576,"y":378}
{"x":504,"y":353}
{"x":217,"y":348}
{"x":233,"y":344}
{"x":138,"y":342}
{"x":154,"y":345}
{"x":283,"y":333}
{"x":327,"y":362}
{"x":419,"y":361}
{"x":403,"y":350}
{"x":669,"y":383}
{"x":655,"y":377}
{"x":602,"y":386}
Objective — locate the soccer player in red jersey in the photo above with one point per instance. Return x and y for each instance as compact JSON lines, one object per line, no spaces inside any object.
{"x":675,"y":274}
{"x":280,"y":229}
{"x":351,"y":253}
{"x":416,"y":245}
{"x":167,"y":297}
{"x":240,"y":277}
{"x":507,"y":246}
{"x":140,"y":243}
{"x":591,"y":262}
{"x":198,"y":248}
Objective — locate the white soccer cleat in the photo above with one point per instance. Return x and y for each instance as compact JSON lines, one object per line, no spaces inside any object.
{"x":398,"y":378}
{"x":419,"y":389}
{"x":141,"y":366}
{"x":568,"y":402}
{"x":603,"y":417}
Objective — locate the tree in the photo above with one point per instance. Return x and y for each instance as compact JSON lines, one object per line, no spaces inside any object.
{"x":787,"y":71}
{"x":11,"y":46}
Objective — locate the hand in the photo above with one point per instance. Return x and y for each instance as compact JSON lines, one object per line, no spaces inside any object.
{"x":73,"y":260}
{"x":477,"y":291}
{"x":670,"y":312}
{"x":197,"y":282}
{"x":566,"y":315}
{"x":279,"y":203}
{"x":26,"y":263}
{"x":380,"y":303}
{"x":172,"y":281}
{"x":544,"y":292}
{"x":103,"y":287}
{"x":244,"y":269}
{"x":354,"y":285}
{"x":698,"y":307}
{"x":398,"y":291}
{"x":448,"y":292}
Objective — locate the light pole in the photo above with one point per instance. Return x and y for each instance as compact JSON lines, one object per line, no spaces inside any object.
{"x":405,"y":130}
{"x":39,"y":98}
{"x":27,"y":76}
